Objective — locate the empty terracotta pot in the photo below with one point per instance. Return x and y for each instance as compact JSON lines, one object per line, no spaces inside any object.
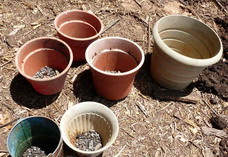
{"x":41,"y":52}
{"x":78,"y":29}
{"x":114,"y":62}
{"x":183,"y":47}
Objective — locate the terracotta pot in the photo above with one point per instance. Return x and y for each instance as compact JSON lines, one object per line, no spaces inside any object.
{"x":40,"y":52}
{"x":114,"y":62}
{"x":88,"y":116}
{"x":35,"y":131}
{"x":183,"y":47}
{"x":78,"y":29}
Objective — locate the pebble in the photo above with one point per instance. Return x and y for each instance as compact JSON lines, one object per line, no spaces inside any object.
{"x":46,"y":72}
{"x":34,"y":151}
{"x":89,"y":141}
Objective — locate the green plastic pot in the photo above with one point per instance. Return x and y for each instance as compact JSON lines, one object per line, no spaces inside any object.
{"x":35,"y":131}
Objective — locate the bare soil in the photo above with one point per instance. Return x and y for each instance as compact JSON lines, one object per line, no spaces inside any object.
{"x":153,"y":121}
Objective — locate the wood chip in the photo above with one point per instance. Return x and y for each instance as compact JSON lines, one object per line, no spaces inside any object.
{"x":142,"y":108}
{"x":213,"y":132}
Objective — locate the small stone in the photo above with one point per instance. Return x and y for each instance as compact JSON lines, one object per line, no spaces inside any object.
{"x":46,"y":72}
{"x":88,"y":141}
{"x":34,"y":151}
{"x":214,"y":100}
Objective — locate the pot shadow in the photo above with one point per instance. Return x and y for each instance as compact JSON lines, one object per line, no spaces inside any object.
{"x":23,"y":94}
{"x":147,"y":86}
{"x":76,"y":64}
{"x":68,"y":152}
{"x":84,"y":90}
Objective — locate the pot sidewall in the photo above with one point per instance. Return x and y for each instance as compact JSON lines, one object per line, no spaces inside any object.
{"x":114,"y":86}
{"x":48,"y":86}
{"x":173,"y":70}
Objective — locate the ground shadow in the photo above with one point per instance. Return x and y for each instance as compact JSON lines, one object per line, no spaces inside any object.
{"x":76,"y":64}
{"x":84,"y":90}
{"x":147,"y":86}
{"x":23,"y":94}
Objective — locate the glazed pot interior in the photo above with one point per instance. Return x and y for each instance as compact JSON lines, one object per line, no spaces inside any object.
{"x":188,"y":37}
{"x":34,"y":131}
{"x":114,"y":61}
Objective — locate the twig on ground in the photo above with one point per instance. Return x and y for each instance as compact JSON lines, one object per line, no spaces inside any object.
{"x":111,"y":25}
{"x":209,"y":106}
{"x":165,"y":107}
{"x":180,"y":99}
{"x":142,"y":108}
{"x":5,"y":63}
{"x":120,"y":151}
{"x":220,"y":5}
{"x":148,"y":46}
{"x":4,"y":125}
{"x":4,"y":151}
{"x":138,"y":3}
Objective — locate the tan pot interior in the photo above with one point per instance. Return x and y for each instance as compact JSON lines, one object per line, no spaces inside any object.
{"x":114,"y":61}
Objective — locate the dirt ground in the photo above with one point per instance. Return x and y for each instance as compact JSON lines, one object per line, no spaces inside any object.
{"x":153,"y":121}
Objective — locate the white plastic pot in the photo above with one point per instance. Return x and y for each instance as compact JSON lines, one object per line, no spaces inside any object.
{"x":183,"y":47}
{"x":87,"y":116}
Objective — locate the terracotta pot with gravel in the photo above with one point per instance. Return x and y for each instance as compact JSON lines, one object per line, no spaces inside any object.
{"x":114,"y":62}
{"x":78,"y":29}
{"x":45,"y":62}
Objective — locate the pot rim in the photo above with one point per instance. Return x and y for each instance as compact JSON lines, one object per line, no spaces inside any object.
{"x":29,"y":117}
{"x":93,"y":105}
{"x":45,"y":79}
{"x":89,"y":61}
{"x":74,"y":38}
{"x":181,"y":58}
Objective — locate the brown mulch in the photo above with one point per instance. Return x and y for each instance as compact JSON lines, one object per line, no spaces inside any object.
{"x":153,"y":121}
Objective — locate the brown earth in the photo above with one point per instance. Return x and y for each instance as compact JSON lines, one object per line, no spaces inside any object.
{"x":153,"y":121}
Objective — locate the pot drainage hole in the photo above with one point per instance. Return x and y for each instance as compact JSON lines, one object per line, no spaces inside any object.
{"x":88,"y":141}
{"x":46,"y":72}
{"x":34,"y":151}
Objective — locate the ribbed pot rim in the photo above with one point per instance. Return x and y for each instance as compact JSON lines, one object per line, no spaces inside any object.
{"x":179,"y":57}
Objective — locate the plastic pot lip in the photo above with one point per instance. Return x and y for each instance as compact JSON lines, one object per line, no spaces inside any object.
{"x":93,"y":105}
{"x":181,"y":58}
{"x":29,"y":117}
{"x":89,"y":61}
{"x":78,"y":39}
{"x":45,"y":79}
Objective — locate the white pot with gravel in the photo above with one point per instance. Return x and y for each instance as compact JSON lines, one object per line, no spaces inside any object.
{"x":92,"y":122}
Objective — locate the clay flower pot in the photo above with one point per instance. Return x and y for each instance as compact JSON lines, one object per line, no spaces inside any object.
{"x":183,"y":47}
{"x":78,"y":29}
{"x":40,"y":52}
{"x":88,"y":116}
{"x":114,"y":62}
{"x":35,"y":131}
